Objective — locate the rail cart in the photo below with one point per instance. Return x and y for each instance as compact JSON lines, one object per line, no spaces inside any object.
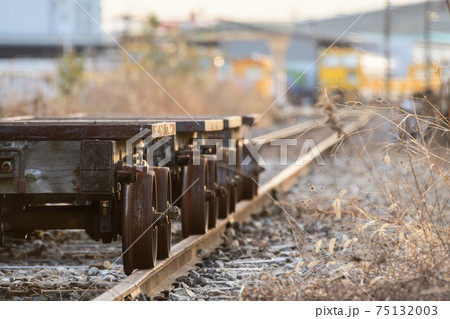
{"x":73,"y":174}
{"x":121,"y":176}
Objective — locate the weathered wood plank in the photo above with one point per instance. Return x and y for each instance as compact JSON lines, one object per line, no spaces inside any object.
{"x":50,"y":167}
{"x":70,"y":129}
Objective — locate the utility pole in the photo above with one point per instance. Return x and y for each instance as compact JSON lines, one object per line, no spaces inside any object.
{"x":387,"y":49}
{"x":426,"y":49}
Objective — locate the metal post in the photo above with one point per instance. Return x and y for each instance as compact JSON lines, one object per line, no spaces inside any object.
{"x":278,"y":47}
{"x":426,"y":50}
{"x":387,"y":49}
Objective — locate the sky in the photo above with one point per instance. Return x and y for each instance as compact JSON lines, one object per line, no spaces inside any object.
{"x":240,"y":10}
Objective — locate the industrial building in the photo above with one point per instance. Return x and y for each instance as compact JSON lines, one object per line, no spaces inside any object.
{"x":30,"y":28}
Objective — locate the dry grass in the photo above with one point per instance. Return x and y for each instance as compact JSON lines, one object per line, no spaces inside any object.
{"x":136,"y":93}
{"x":389,"y":240}
{"x":129,"y":90}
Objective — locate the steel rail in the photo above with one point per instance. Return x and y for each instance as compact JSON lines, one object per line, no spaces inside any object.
{"x":289,"y":131}
{"x":297,"y":128}
{"x":146,"y":281}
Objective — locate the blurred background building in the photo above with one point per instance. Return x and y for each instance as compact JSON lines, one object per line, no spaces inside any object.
{"x":411,"y":41}
{"x":48,"y":27}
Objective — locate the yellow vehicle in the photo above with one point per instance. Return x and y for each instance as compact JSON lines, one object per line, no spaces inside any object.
{"x":363,"y":73}
{"x":351,"y":70}
{"x":254,"y":74}
{"x":417,"y":78}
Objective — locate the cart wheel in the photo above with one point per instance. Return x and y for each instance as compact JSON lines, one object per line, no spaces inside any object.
{"x":224,"y":205}
{"x":233,"y":195}
{"x":228,"y":178}
{"x":239,"y":150}
{"x":164,"y":199}
{"x":194,"y":207}
{"x":232,"y":178}
{"x":249,"y":187}
{"x":139,"y":235}
{"x":213,"y":209}
{"x":249,"y":171}
{"x":223,"y":180}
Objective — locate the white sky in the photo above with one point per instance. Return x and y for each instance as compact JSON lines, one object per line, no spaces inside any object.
{"x":243,"y":10}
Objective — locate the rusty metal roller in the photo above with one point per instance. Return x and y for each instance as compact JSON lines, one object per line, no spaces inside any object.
{"x":224,"y":200}
{"x":194,"y":203}
{"x":164,"y":202}
{"x":239,"y":150}
{"x":139,"y":234}
{"x":213,"y":187}
{"x":229,"y":161}
{"x":248,"y":173}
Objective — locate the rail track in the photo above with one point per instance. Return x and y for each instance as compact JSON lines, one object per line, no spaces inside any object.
{"x":184,"y":254}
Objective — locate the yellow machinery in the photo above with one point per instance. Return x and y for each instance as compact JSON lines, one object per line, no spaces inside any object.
{"x":340,"y":68}
{"x":349,"y":69}
{"x":255,"y":74}
{"x":417,"y":78}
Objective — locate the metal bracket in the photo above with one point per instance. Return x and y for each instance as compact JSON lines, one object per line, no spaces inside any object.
{"x":21,"y":183}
